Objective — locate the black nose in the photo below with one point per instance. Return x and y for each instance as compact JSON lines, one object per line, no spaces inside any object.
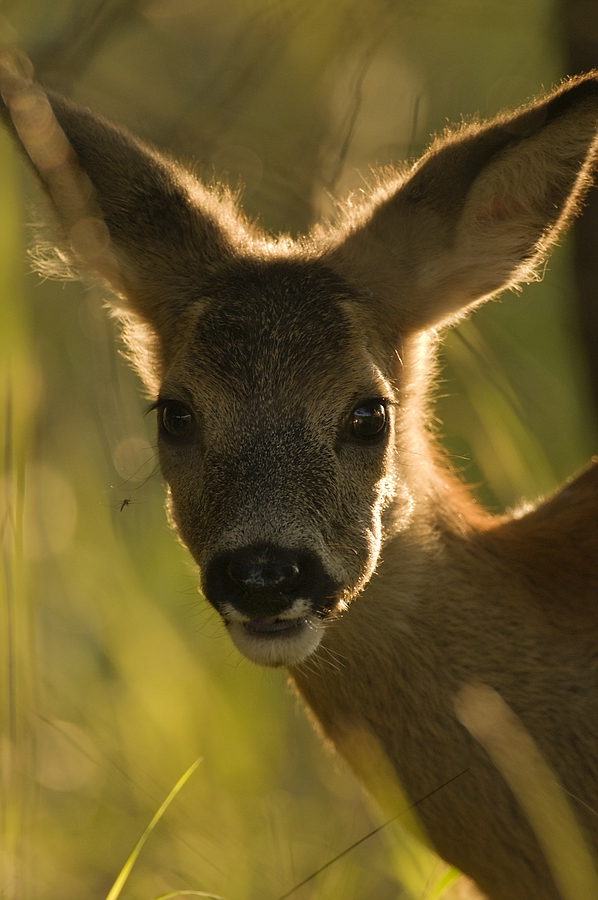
{"x":265,"y":580}
{"x":262,"y":581}
{"x":263,"y":576}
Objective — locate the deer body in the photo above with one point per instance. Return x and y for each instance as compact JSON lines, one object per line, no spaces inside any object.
{"x":291,"y":384}
{"x":437,"y":618}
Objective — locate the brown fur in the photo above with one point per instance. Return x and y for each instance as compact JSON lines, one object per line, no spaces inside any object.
{"x":264,"y":349}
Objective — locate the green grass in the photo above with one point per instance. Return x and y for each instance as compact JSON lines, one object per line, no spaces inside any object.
{"x":116,"y":889}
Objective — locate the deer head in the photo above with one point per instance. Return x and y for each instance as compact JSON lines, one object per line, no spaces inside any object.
{"x":290,"y":378}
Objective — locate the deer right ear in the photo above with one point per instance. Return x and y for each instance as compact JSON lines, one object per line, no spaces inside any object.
{"x":478,"y":212}
{"x":130,"y":214}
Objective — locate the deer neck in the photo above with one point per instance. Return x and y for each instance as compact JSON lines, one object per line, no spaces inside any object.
{"x":429,"y":498}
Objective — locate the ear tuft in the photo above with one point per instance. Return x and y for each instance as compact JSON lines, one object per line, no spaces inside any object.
{"x":478,"y":213}
{"x":128,"y":213}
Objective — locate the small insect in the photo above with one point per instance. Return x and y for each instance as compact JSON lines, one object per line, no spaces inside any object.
{"x":126,"y":502}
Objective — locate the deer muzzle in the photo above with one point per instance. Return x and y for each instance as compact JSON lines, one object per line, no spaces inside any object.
{"x":273,"y":600}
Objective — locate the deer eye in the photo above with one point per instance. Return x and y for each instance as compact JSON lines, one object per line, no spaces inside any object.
{"x":175,"y":421}
{"x":369,"y":421}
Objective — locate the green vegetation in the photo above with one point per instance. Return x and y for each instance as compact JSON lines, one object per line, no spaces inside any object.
{"x":115,"y":675}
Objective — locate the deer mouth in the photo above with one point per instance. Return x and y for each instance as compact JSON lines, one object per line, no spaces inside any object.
{"x":267,"y":625}
{"x":276,"y":641}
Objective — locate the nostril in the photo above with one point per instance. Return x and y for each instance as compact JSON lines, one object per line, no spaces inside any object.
{"x":262,"y":580}
{"x":263,"y":576}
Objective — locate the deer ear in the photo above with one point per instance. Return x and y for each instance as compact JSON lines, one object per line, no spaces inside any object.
{"x":130,"y":214}
{"x":477,"y":213}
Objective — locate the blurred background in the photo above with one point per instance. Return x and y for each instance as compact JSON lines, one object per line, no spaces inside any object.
{"x":115,"y":675}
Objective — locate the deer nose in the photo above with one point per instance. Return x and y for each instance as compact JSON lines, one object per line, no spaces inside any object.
{"x":256,"y":577}
{"x":266,"y":580}
{"x":257,"y":581}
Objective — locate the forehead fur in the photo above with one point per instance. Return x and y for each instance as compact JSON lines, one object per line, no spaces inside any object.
{"x":264,"y":320}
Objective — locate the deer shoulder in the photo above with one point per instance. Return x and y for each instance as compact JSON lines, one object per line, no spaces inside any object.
{"x":553,"y":551}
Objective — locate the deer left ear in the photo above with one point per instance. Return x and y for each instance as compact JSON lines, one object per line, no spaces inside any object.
{"x":130,"y":214}
{"x":478,"y":212}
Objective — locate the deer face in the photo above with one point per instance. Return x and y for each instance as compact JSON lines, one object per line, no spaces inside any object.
{"x":278,"y":383}
{"x":274,"y":429}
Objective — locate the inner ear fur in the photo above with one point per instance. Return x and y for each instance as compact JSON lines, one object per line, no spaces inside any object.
{"x":129,"y":213}
{"x":476,"y":214}
{"x":170,"y":233}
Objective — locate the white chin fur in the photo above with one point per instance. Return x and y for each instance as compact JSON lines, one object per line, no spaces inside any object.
{"x":284,"y":649}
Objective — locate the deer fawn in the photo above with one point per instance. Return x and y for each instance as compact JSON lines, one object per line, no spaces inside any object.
{"x":291,"y":385}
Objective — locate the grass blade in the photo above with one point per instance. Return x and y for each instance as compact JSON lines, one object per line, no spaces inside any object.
{"x":124,"y":873}
{"x":188,"y":894}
